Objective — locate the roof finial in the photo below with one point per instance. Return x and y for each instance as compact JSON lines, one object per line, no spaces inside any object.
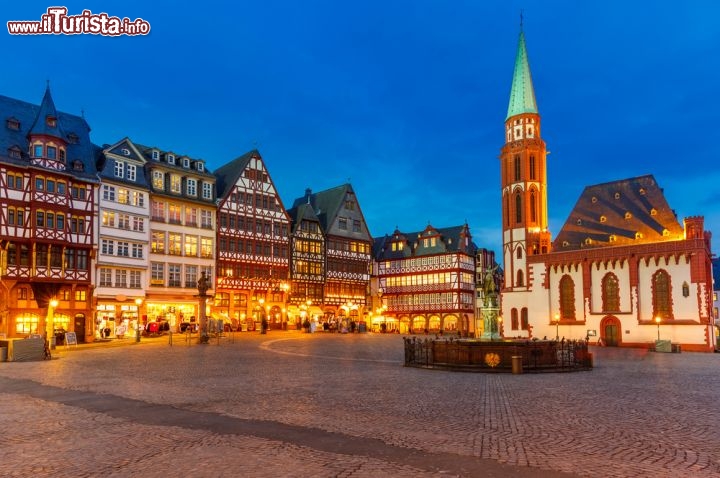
{"x":521,"y":19}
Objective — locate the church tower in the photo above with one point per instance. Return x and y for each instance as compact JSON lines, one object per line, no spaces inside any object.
{"x":523,"y":179}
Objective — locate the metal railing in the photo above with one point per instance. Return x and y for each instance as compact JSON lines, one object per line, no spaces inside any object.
{"x":497,"y":356}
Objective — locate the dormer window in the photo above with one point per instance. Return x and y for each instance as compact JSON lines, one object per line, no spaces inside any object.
{"x":78,"y":165}
{"x":15,"y":152}
{"x":73,"y":138}
{"x":628,"y":215}
{"x":51,"y":121}
{"x":642,"y":191}
{"x":13,"y":124}
{"x":617,"y":195}
{"x":200,"y":167}
{"x":638,"y":235}
{"x":186,"y":162}
{"x":593,"y":200}
{"x":171,"y":159}
{"x":653,"y":212}
{"x":156,"y":155}
{"x":603,"y":219}
{"x":612,"y":238}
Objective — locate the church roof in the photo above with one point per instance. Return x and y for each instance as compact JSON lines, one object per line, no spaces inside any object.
{"x":522,"y":94}
{"x":626,"y":212}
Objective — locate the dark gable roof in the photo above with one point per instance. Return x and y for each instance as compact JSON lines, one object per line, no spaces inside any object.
{"x":33,"y":116}
{"x":227,"y":176}
{"x":621,"y":209}
{"x":302,"y":212}
{"x":106,"y":163}
{"x":328,"y":205}
{"x":325,"y":203}
{"x":451,"y":239}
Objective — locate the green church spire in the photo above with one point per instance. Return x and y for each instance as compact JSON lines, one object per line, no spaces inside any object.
{"x":522,"y":95}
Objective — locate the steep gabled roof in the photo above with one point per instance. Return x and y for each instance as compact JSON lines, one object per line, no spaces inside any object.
{"x":227,"y":176}
{"x":625,"y":212}
{"x":124,"y":148}
{"x":328,"y":205}
{"x":302,"y":212}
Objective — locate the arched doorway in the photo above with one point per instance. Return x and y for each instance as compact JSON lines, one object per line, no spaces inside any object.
{"x":434,"y":324}
{"x":611,"y":331}
{"x":404,"y":325}
{"x":418,"y":324}
{"x":450,"y":323}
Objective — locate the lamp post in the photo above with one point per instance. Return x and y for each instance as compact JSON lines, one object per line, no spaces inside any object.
{"x":50,"y":323}
{"x":657,"y":321}
{"x":138,"y":302}
{"x":557,"y":326}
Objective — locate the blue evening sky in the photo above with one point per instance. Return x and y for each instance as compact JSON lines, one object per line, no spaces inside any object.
{"x":406,"y":99}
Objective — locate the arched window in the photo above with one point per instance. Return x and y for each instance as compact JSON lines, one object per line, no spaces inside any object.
{"x":514,"y":319}
{"x":519,"y":253}
{"x":533,"y":213}
{"x":524,"y":324}
{"x":661,"y":293}
{"x":532,"y":167}
{"x":567,"y":298}
{"x":518,"y":208}
{"x":610,"y":293}
{"x":517,"y":167}
{"x":520,"y":278}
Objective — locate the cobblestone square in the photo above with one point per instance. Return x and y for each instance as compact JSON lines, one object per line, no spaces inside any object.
{"x":321,"y":405}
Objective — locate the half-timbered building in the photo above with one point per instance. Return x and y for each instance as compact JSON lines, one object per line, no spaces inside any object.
{"x":48,"y":209}
{"x":121,"y":268}
{"x":426,"y":281}
{"x":348,"y":257}
{"x":622,"y":270}
{"x":307,"y":263}
{"x":252,"y":238}
{"x":182,"y":235}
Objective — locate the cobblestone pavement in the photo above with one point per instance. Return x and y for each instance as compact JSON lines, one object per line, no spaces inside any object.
{"x":320,"y":405}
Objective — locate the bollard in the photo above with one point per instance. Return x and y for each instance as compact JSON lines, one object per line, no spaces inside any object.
{"x":170,"y":338}
{"x":517,"y":365}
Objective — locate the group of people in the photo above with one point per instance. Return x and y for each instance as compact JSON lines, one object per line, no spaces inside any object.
{"x":313,"y":324}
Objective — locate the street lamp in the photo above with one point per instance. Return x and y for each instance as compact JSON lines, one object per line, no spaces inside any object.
{"x":557,"y":327}
{"x":138,"y":303}
{"x":657,"y":321}
{"x":50,"y":323}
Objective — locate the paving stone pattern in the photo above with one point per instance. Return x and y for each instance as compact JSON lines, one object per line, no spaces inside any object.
{"x":332,"y":405}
